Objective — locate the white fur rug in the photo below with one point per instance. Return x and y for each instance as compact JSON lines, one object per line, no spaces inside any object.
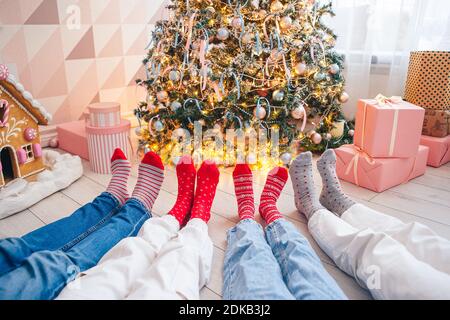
{"x":21,"y":194}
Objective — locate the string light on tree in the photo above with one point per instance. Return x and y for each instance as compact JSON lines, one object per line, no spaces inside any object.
{"x":258,"y":64}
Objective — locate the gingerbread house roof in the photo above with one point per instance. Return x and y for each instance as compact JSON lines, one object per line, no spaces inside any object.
{"x":25,"y":99}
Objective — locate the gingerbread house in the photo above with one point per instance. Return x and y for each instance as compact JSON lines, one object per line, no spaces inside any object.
{"x":20,"y":117}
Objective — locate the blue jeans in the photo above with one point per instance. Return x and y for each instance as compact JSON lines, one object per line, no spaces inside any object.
{"x":44,"y":273}
{"x":277,"y":265}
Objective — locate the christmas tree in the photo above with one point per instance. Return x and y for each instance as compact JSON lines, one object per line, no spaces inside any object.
{"x":267,"y":65}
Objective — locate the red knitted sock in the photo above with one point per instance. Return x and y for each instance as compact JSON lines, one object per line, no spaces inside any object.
{"x":275,"y":183}
{"x":186,"y":188}
{"x":121,"y":169}
{"x":243,"y":186}
{"x":207,"y":181}
{"x":150,"y":179}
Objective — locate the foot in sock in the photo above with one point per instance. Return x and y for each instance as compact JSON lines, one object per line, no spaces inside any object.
{"x":243,"y":186}
{"x":207,"y":181}
{"x":150,"y":179}
{"x":306,"y":197}
{"x":333,"y":197}
{"x":275,"y":183}
{"x":120,"y":169}
{"x":186,"y":187}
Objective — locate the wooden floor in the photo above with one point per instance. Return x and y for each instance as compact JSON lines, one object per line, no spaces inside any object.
{"x":425,"y":200}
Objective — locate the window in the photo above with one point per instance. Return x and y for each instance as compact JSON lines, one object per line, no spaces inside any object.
{"x":29,"y":152}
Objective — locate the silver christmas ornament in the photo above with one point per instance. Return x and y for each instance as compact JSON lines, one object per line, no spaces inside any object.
{"x":159,"y":126}
{"x":260,"y":113}
{"x":334,"y":69}
{"x":278,"y":95}
{"x":319,"y":76}
{"x":174,"y":75}
{"x":223,"y":34}
{"x":286,"y":158}
{"x":174,"y":106}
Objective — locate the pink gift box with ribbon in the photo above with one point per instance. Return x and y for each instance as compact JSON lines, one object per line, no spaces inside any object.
{"x":378,"y":174}
{"x":388,"y":127}
{"x":439,"y":150}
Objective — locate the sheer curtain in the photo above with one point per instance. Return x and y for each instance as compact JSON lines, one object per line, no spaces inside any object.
{"x":377,"y":36}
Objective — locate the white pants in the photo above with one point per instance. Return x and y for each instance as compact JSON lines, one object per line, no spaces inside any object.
{"x":392,"y":259}
{"x":160,"y":263}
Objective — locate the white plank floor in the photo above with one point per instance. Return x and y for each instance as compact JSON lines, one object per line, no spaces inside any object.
{"x":425,"y":200}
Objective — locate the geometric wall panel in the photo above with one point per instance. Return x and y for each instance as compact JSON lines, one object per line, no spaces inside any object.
{"x":69,"y":68}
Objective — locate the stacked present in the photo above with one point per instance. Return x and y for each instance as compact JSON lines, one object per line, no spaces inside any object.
{"x":97,"y":136}
{"x":428,"y":86}
{"x":387,"y":150}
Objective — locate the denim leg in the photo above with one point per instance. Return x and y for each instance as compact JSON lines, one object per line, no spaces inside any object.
{"x":60,"y":235}
{"x":302,"y":269}
{"x":44,"y":274}
{"x":126,"y":223}
{"x":251,"y":272}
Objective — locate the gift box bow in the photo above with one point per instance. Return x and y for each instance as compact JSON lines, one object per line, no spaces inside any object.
{"x":394,"y":103}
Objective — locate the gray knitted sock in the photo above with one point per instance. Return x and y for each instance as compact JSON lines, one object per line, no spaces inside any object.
{"x":306,"y":198}
{"x":333,"y":197}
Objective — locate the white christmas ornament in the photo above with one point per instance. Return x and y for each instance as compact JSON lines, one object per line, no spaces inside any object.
{"x":286,"y":158}
{"x":260,"y":113}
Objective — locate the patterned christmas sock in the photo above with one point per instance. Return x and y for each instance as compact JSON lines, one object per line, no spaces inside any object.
{"x":275,"y":183}
{"x":243,"y":186}
{"x":306,"y":197}
{"x":121,"y":169}
{"x":207,"y":181}
{"x":333,"y":197}
{"x":186,"y":188}
{"x":150,"y":179}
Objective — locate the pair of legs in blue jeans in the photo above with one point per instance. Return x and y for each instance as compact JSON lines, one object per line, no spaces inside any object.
{"x":273,"y":264}
{"x":39,"y":265}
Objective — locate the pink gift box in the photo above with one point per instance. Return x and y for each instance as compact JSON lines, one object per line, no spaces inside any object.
{"x":378,"y":174}
{"x":104,"y":114}
{"x":102,"y":143}
{"x":439,"y":150}
{"x":73,"y":138}
{"x":388,"y":128}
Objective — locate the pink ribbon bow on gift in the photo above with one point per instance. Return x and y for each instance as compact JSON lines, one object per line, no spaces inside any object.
{"x":391,"y":102}
{"x":354,"y":163}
